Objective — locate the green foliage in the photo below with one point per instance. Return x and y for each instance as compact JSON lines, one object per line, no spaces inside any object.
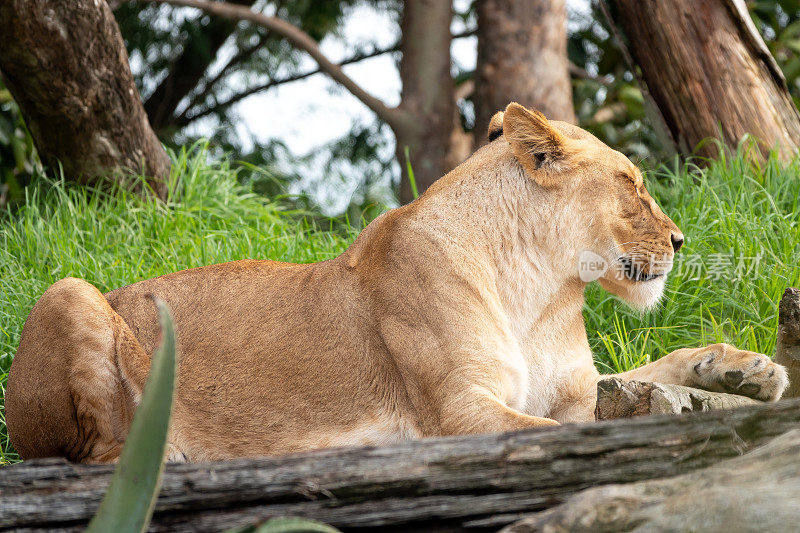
{"x":357,"y":173}
{"x":18,"y":159}
{"x":217,"y":63}
{"x":129,"y":500}
{"x":732,"y":210}
{"x":779,"y":23}
{"x":7,"y":453}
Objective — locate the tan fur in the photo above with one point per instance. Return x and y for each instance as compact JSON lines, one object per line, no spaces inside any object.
{"x":458,"y":313}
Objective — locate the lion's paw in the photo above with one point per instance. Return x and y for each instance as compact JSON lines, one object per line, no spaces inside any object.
{"x":724,"y":368}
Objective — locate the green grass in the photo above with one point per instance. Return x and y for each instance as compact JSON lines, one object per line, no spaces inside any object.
{"x":115,"y":239}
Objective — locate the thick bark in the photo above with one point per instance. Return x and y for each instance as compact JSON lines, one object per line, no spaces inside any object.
{"x":787,"y":349}
{"x":483,"y":479}
{"x":710,"y":73}
{"x":522,"y":57}
{"x":66,"y":65}
{"x":756,"y":492}
{"x":622,"y":399}
{"x":428,"y":95}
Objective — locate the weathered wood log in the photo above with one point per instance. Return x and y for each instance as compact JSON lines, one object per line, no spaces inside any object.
{"x":787,"y":349}
{"x":621,"y":399}
{"x":758,"y":491}
{"x":423,"y":484}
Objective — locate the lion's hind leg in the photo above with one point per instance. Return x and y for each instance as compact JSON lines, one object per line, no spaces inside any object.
{"x":76,"y":378}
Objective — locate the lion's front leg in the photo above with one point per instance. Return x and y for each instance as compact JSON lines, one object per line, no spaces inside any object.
{"x":719,"y":368}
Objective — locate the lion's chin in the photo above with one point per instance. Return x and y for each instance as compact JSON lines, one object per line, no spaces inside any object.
{"x":640,"y":295}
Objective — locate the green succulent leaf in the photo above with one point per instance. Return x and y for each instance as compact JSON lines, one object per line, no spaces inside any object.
{"x":128,"y":503}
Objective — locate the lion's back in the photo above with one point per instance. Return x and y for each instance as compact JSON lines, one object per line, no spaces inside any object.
{"x":195,"y":295}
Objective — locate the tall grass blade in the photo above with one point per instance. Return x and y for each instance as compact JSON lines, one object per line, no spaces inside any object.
{"x":410,"y":171}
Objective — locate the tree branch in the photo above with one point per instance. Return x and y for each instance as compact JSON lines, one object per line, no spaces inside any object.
{"x":186,"y":118}
{"x":187,"y":68}
{"x":241,"y":55}
{"x":300,"y":40}
{"x":579,"y":72}
{"x":754,"y":492}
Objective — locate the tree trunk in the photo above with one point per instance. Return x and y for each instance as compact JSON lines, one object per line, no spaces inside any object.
{"x":710,"y":73}
{"x":479,"y":480}
{"x":65,"y":64}
{"x":756,"y":492}
{"x":787,"y":348}
{"x":522,"y":56}
{"x":428,"y":95}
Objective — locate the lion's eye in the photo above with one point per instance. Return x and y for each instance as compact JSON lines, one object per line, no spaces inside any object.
{"x":627,"y":177}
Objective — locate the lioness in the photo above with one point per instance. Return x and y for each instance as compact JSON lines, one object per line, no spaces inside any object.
{"x":458,"y":313}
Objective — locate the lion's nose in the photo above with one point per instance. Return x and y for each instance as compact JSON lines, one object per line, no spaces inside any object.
{"x":677,"y":241}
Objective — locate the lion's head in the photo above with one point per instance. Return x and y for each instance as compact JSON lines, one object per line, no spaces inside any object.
{"x":617,"y":233}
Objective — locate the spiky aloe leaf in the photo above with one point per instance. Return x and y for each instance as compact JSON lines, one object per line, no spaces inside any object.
{"x":288,"y":525}
{"x":128,"y":503}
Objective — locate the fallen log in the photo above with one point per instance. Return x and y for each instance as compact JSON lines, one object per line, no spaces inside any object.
{"x":478,"y":481}
{"x":621,"y":399}
{"x":758,"y":491}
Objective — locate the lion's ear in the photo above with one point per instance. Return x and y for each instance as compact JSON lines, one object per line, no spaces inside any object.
{"x":536,"y":144}
{"x":496,"y":126}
